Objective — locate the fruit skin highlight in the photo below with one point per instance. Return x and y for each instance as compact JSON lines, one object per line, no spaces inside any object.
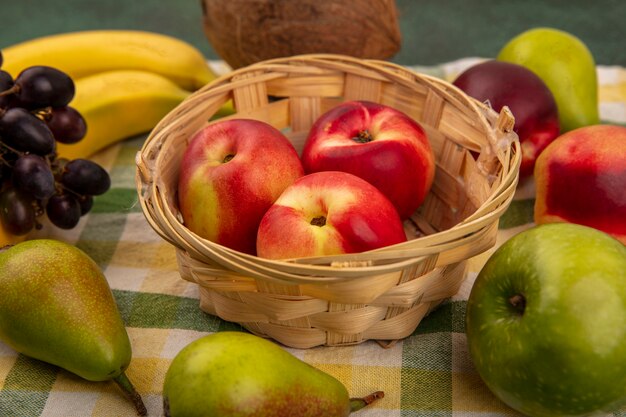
{"x":546,"y":321}
{"x":581,"y":178}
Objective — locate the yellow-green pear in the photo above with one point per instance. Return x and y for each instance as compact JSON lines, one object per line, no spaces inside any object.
{"x":567,"y":67}
{"x":230,"y":374}
{"x":57,"y":306}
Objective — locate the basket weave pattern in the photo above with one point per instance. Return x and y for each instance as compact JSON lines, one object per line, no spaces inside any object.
{"x":344,"y":299}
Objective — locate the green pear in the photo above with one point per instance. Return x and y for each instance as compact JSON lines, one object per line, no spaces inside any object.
{"x":231,"y":374}
{"x":57,"y":306}
{"x":567,"y":67}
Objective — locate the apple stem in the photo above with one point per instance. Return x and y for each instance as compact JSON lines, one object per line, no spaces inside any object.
{"x":518,"y":301}
{"x":363,"y":136}
{"x":228,"y":158}
{"x":124,"y":383}
{"x":358,"y":403}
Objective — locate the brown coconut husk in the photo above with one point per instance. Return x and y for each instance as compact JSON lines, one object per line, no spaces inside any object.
{"x":243,"y":32}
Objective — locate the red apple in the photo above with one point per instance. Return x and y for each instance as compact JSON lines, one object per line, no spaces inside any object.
{"x":328,"y":213}
{"x":581,"y":178}
{"x":526,"y":95}
{"x":231,"y":173}
{"x":377,"y":143}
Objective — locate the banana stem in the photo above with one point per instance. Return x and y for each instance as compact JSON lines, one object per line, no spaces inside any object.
{"x":357,"y":403}
{"x":124,"y":383}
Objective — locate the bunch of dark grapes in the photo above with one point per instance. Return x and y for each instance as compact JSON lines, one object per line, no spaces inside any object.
{"x":34,"y":116}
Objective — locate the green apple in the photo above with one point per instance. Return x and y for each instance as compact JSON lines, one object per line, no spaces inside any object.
{"x":567,"y":67}
{"x":546,"y":321}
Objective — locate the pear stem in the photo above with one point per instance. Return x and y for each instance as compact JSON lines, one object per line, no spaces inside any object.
{"x":357,"y":403}
{"x":124,"y":383}
{"x":6,"y":247}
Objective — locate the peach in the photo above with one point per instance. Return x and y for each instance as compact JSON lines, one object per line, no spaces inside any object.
{"x":378,"y":143}
{"x":581,"y":178}
{"x":328,"y":213}
{"x":231,"y":173}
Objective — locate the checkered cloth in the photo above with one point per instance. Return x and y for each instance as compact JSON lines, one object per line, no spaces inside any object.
{"x":427,"y":374}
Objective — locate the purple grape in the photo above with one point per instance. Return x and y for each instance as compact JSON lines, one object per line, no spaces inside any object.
{"x":25,"y":132}
{"x":6,"y":83}
{"x":86,"y":203}
{"x":63,"y":210}
{"x":42,"y":86}
{"x":85,"y":177}
{"x":67,"y":124}
{"x":32,"y":176}
{"x":17,"y":212}
{"x":30,"y":171}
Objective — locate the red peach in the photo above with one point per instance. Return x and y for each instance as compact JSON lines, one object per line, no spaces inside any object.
{"x":375,"y":142}
{"x":581,"y":178}
{"x":328,"y":213}
{"x":231,"y":173}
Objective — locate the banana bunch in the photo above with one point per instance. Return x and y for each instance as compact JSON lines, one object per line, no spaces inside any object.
{"x":125,"y":80}
{"x":120,"y":104}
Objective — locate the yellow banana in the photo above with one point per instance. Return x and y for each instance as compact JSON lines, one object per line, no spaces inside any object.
{"x":84,"y":53}
{"x":119,"y":104}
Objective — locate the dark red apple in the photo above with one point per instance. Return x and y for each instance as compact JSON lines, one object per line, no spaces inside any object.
{"x":528,"y":97}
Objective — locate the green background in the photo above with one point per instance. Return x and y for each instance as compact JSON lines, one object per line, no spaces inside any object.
{"x":434,"y":31}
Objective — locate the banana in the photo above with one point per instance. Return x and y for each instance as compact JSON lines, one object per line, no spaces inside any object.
{"x":83,"y":53}
{"x":117,"y":105}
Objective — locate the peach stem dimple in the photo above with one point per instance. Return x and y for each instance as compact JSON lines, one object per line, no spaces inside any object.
{"x":318,"y":221}
{"x":363,"y":136}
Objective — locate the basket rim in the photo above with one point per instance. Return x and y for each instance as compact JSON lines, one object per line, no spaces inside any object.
{"x":397,"y":256}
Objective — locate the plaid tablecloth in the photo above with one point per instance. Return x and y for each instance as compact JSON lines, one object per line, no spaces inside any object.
{"x":427,"y":374}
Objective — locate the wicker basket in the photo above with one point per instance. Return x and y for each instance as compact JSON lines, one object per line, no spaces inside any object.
{"x":345,"y":299}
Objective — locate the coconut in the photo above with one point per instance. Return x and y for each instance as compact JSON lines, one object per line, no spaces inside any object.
{"x":243,"y":32}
